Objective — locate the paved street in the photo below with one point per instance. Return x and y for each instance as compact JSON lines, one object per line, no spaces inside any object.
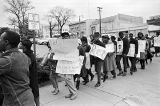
{"x":141,"y":89}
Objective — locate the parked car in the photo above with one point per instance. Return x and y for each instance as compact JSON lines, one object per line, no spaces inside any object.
{"x":42,"y":41}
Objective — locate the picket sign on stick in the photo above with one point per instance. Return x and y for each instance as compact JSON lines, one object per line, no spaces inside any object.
{"x":64,"y":49}
{"x":69,"y":67}
{"x":98,"y":51}
{"x":141,"y":47}
{"x":131,"y":52}
{"x":157,"y":41}
{"x":109,"y":47}
{"x":119,"y":47}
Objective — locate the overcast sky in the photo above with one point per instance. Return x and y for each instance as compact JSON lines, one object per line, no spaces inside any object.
{"x":88,"y":8}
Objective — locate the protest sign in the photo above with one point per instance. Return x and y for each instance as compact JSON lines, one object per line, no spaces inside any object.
{"x":131,"y":50}
{"x":119,"y":47}
{"x":157,"y":41}
{"x":64,"y":49}
{"x":88,"y":64}
{"x":69,"y":67}
{"x":110,"y":48}
{"x":141,"y":47}
{"x":98,"y":51}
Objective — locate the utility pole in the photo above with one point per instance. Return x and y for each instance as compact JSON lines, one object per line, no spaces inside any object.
{"x":99,"y":10}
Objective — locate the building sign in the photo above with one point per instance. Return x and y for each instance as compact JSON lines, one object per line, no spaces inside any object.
{"x":33,"y":21}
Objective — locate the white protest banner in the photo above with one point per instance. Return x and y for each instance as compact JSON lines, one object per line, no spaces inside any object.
{"x":64,"y":49}
{"x":157,"y":41}
{"x":141,"y":47}
{"x":131,"y":50}
{"x":119,"y":47}
{"x":69,"y":67}
{"x":98,"y":51}
{"x":110,"y":48}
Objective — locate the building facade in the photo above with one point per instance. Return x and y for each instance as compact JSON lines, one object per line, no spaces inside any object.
{"x":124,"y":23}
{"x":81,"y":28}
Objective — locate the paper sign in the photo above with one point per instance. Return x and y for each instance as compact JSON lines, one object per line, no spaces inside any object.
{"x":64,"y":49}
{"x":98,"y":51}
{"x":110,"y":48}
{"x":157,"y":41}
{"x":141,"y":47}
{"x":69,"y":67}
{"x":88,"y":64}
{"x":119,"y":47}
{"x":131,"y":52}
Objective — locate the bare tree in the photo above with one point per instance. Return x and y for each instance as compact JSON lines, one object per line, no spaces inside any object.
{"x":19,"y":9}
{"x":62,"y":16}
{"x":52,"y":24}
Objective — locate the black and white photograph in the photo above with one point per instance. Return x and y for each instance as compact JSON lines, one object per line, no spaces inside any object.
{"x":80,"y":53}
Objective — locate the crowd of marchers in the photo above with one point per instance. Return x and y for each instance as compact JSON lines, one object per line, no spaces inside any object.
{"x":18,"y":69}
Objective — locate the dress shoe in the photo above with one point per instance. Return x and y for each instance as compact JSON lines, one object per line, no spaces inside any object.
{"x":124,"y":74}
{"x":131,"y":73}
{"x":73,"y":97}
{"x":120,"y":74}
{"x":85,"y":82}
{"x":97,"y":84}
{"x":92,"y":76}
{"x":105,"y":77}
{"x":114,"y":76}
{"x":55,"y":92}
{"x":68,"y":96}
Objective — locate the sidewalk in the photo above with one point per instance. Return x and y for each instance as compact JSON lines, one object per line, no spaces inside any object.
{"x":141,"y":89}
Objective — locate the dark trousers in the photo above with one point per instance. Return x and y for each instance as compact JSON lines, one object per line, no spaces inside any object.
{"x":98,"y":65}
{"x":133,"y":64}
{"x":89,"y":73}
{"x":1,"y":96}
{"x":142,"y":62}
{"x":118,"y":62}
{"x":127,"y":61}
